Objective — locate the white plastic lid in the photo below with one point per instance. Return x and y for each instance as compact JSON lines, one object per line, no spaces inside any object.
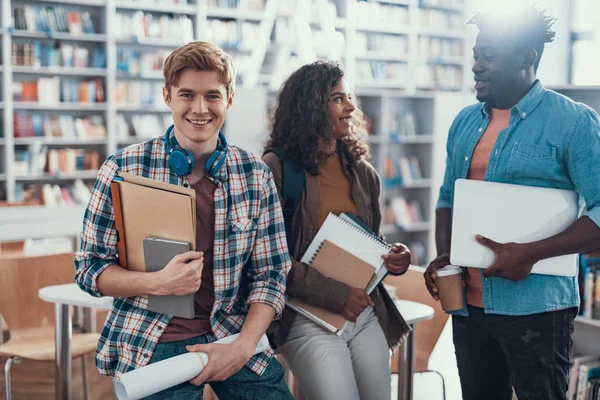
{"x":448,"y":270}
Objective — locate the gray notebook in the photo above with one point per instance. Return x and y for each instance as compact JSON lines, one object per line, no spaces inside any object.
{"x":157,"y":254}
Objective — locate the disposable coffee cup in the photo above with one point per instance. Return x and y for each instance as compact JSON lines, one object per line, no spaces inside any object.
{"x":449,"y":282}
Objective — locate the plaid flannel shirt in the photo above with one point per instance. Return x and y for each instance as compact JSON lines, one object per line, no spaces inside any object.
{"x":251,"y":260}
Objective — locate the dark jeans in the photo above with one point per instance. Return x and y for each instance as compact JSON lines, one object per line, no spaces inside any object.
{"x":531,"y":354}
{"x":243,"y":385}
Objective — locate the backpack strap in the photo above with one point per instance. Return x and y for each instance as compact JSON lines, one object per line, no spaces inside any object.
{"x":292,"y":188}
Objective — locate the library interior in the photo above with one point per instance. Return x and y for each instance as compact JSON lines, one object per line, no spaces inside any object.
{"x":436,"y":91}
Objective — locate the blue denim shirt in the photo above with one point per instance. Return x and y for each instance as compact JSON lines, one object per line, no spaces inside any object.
{"x":551,"y":141}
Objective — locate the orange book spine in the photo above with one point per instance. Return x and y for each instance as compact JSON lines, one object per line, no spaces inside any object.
{"x":118,"y":211}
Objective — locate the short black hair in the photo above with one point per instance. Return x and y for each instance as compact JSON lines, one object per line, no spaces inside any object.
{"x":530,"y":27}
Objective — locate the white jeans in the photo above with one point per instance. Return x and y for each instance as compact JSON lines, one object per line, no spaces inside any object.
{"x":353,"y":366}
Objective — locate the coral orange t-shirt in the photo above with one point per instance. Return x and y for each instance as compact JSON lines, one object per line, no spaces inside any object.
{"x":479,"y":160}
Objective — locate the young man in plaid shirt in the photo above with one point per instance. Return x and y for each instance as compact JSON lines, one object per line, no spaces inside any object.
{"x":238,"y":272}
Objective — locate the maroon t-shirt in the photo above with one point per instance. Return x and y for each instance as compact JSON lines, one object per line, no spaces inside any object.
{"x":181,"y":328}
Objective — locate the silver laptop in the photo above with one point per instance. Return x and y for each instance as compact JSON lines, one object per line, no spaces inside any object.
{"x":510,"y":213}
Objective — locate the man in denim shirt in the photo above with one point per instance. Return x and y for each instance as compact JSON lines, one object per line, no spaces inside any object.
{"x":516,"y":329}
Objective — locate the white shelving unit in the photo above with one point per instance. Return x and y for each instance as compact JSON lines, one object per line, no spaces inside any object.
{"x":273,"y":46}
{"x":433,"y":114}
{"x":587,"y":330}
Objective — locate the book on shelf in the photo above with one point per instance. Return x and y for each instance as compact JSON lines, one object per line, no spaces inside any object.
{"x":406,"y":213}
{"x":457,"y":4}
{"x":433,"y":49}
{"x":418,"y":253}
{"x":440,"y":77}
{"x":56,"y":55}
{"x":52,"y":19}
{"x":162,"y":2}
{"x":231,"y":35}
{"x":133,"y":62}
{"x":402,"y":170}
{"x":77,"y":193}
{"x":52,"y":91}
{"x":588,"y":377}
{"x":141,"y":25}
{"x":589,"y":286}
{"x":140,"y":93}
{"x":381,"y":43}
{"x":394,"y":73}
{"x":377,"y":14}
{"x":38,"y":159}
{"x":142,"y":126}
{"x":402,"y":124}
{"x":440,"y":19}
{"x":58,"y":126}
{"x":250,"y":5}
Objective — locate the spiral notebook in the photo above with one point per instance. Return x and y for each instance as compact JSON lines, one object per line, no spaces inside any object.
{"x":335,"y":263}
{"x":350,"y":236}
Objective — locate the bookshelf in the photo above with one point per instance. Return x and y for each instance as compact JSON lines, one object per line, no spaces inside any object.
{"x":376,"y":42}
{"x":410,"y":126}
{"x":585,"y":335}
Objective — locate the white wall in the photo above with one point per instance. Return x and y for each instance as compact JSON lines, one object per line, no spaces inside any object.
{"x":554,"y":67}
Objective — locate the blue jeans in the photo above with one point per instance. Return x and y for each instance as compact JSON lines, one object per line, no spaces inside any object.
{"x":530,"y":353}
{"x":242,"y":385}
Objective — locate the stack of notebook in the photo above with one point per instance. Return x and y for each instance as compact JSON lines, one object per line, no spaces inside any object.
{"x":151,"y":218}
{"x":347,"y":251}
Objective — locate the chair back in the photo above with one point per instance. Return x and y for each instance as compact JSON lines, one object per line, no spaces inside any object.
{"x":411,"y":286}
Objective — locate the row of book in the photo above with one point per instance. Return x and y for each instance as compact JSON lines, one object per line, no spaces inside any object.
{"x":406,"y":212}
{"x":589,"y":285}
{"x":380,"y":70}
{"x":584,"y":378}
{"x":439,"y":76}
{"x":139,"y":63}
{"x":402,"y":124}
{"x":162,"y":2}
{"x":53,"y":195}
{"x":57,"y":55}
{"x":58,"y":126}
{"x":438,"y":20}
{"x":252,"y":5}
{"x":442,"y":3}
{"x":381,"y":43}
{"x":52,"y":91}
{"x":375,"y":14}
{"x":232,"y":35}
{"x":52,"y":19}
{"x":327,"y":45}
{"x":418,"y":253}
{"x":433,"y":49}
{"x":142,"y":126}
{"x":38,"y":159}
{"x":402,"y":171}
{"x":141,"y":25}
{"x":140,"y":93}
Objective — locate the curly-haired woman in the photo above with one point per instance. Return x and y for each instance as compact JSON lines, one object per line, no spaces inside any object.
{"x":318,"y":126}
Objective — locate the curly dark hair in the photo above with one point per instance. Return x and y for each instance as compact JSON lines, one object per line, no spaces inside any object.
{"x":300,"y":118}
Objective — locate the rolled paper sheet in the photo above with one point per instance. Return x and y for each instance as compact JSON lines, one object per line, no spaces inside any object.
{"x":153,"y":378}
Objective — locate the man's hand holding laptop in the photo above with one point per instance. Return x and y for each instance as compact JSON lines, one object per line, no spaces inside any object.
{"x":514,"y":261}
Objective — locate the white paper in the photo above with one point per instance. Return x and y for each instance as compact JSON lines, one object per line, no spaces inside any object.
{"x":164,"y":374}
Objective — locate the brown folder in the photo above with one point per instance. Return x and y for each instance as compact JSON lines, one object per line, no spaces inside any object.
{"x":338,"y":264}
{"x":152,"y":208}
{"x":118,"y":212}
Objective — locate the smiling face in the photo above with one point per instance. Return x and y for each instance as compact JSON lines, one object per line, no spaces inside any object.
{"x":498,"y":68}
{"x":341,"y":107}
{"x":199,"y":103}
